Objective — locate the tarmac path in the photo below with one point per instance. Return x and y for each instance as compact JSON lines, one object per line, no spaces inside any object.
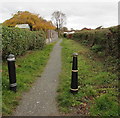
{"x":41,"y":99}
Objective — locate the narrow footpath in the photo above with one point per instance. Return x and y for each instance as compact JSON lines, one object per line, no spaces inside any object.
{"x":41,"y":99}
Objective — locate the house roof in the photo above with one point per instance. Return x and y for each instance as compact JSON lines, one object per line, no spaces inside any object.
{"x":23,"y":26}
{"x":69,"y":32}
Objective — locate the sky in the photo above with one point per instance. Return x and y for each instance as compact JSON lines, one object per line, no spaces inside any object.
{"x":79,"y":13}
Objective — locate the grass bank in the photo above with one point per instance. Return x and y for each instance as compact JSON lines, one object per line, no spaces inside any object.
{"x":28,"y":68}
{"x":98,"y":92}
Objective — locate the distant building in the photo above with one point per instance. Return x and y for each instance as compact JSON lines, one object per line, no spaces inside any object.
{"x":23,"y":26}
{"x":51,"y":36}
{"x":69,"y":32}
{"x":86,"y":29}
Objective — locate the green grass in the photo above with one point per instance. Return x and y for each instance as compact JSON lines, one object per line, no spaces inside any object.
{"x":97,"y":86}
{"x":28,"y":68}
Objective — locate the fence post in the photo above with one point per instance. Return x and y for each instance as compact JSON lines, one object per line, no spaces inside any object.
{"x":12,"y":72}
{"x":74,"y":79}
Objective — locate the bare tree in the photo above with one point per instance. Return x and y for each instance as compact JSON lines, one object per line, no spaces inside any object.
{"x":59,"y":19}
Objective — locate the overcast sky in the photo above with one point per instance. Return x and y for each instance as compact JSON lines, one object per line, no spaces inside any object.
{"x":79,"y":13}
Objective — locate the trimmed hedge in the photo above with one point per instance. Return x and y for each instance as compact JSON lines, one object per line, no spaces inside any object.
{"x":17,"y":41}
{"x":102,"y":40}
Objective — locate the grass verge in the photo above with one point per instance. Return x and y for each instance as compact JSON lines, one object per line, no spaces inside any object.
{"x":98,"y":91}
{"x":28,"y":67}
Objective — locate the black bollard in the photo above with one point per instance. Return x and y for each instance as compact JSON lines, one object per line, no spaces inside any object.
{"x":12,"y":72}
{"x":74,"y":79}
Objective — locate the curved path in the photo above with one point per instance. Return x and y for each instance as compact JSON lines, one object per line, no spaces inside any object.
{"x":41,"y":99}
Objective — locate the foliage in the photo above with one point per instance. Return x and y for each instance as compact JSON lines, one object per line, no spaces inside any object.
{"x":96,"y":48}
{"x":18,"y":41}
{"x":28,"y":68}
{"x":98,"y":92}
{"x":64,"y":29}
{"x":35,"y":22}
{"x":100,"y":39}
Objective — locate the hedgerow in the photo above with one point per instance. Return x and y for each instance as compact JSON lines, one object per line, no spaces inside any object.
{"x":17,"y":41}
{"x":102,"y":40}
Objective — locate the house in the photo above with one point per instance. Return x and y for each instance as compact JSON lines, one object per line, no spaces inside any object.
{"x":23,"y":26}
{"x":69,"y":32}
{"x":86,"y":29}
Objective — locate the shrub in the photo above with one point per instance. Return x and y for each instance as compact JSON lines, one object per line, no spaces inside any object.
{"x":18,"y":41}
{"x":105,"y":40}
{"x":96,"y":48}
{"x":85,"y":42}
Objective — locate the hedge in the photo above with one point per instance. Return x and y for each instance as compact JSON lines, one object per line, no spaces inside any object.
{"x":102,"y":40}
{"x":17,"y":41}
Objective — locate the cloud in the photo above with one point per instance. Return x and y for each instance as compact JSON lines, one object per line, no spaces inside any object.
{"x":52,"y":1}
{"x":79,"y":14}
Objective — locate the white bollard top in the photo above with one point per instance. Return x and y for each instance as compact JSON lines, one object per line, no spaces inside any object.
{"x":11,"y":57}
{"x":75,"y":54}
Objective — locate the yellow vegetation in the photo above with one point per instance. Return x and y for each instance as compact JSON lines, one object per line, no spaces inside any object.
{"x":35,"y":22}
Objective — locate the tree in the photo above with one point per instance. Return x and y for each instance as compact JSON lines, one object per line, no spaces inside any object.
{"x":59,"y":19}
{"x":64,"y":29}
{"x":35,"y":22}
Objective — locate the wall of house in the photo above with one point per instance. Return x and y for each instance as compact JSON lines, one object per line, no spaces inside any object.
{"x":51,"y":36}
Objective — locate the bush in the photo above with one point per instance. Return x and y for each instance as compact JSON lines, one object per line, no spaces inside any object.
{"x":96,"y":48}
{"x":85,"y":42}
{"x":18,"y":41}
{"x":105,"y":40}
